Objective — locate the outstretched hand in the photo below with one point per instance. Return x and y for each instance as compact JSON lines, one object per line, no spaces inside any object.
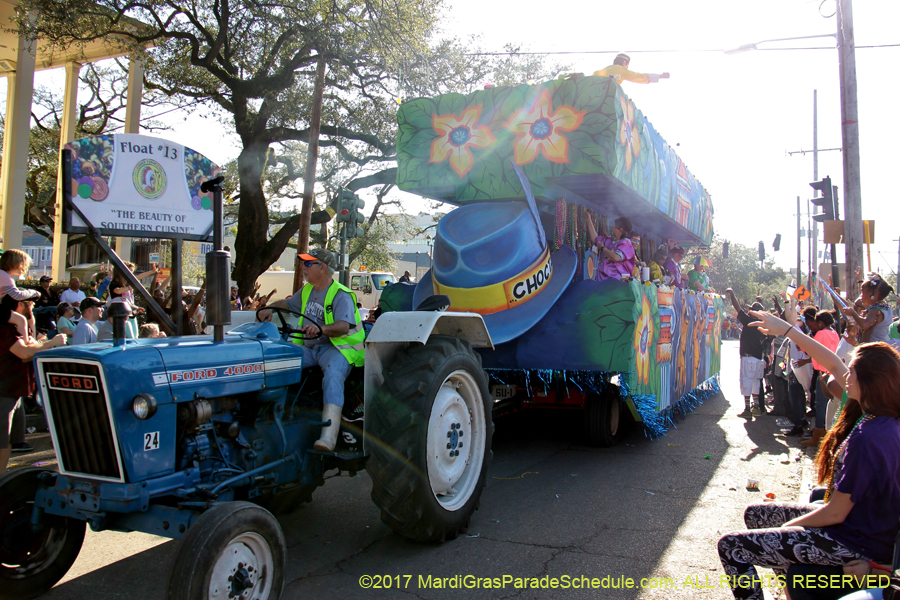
{"x":769,"y":324}
{"x":849,"y":311}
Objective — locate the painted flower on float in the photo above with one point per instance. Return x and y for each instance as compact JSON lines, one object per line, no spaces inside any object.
{"x":539,"y":129}
{"x":458,"y":135}
{"x":643,"y":338}
{"x":628,"y":134}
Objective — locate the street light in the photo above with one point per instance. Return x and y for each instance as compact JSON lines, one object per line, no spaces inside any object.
{"x":853,"y":226}
{"x":746,"y":47}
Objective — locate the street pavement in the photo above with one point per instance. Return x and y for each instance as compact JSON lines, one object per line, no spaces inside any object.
{"x":552,"y":508}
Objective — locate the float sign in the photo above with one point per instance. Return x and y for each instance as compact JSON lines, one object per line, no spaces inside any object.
{"x":137,"y":186}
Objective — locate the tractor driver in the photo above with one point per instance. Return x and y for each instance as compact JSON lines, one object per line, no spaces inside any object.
{"x":340,"y":347}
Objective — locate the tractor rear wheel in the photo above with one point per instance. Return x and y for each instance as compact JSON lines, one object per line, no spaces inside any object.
{"x":31,"y":563}
{"x":429,"y":437}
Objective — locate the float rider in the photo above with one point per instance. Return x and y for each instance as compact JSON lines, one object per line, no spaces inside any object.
{"x":340,"y":347}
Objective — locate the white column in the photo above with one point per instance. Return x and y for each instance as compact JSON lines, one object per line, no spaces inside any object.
{"x":132,"y":125}
{"x":20,"y":87}
{"x":66,"y":135}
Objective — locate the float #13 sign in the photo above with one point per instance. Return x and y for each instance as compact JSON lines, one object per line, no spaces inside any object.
{"x":137,"y":186}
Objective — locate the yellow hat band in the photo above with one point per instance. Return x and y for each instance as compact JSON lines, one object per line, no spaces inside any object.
{"x":499,"y":296}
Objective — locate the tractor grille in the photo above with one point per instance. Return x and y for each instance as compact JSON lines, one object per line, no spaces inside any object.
{"x":76,"y":401}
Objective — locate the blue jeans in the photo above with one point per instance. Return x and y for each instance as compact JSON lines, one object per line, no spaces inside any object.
{"x":798,"y":400}
{"x":335,"y":367}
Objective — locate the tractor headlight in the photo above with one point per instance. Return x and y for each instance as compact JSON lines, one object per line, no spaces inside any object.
{"x":143,"y":406}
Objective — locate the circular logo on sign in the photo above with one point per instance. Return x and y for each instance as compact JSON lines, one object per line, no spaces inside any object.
{"x":149,"y":179}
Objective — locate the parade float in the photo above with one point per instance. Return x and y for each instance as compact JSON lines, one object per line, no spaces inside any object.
{"x":563,"y":338}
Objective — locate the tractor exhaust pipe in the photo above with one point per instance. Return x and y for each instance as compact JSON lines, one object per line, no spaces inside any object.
{"x":118,"y":313}
{"x":218,"y":271}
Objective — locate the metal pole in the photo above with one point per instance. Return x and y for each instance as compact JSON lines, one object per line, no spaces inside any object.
{"x":176,"y":311}
{"x":309,"y":181}
{"x":853,"y":233}
{"x":343,"y":272}
{"x":815,"y":224}
{"x":809,"y":251}
{"x":835,"y":275}
{"x":799,"y":279}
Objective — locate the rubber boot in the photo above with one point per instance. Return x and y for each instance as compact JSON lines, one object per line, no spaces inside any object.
{"x":817,"y":435}
{"x":330,"y":432}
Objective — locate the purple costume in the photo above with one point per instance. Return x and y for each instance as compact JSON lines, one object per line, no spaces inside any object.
{"x":615,"y":270}
{"x":675,"y":271}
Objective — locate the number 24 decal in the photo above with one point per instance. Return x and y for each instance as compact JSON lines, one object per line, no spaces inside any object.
{"x":151,"y":441}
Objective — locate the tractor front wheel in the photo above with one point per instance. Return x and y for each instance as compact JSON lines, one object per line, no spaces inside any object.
{"x":234,"y":550}
{"x":32,"y":562}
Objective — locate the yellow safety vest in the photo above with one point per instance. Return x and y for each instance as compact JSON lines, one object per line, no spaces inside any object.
{"x":352,"y":345}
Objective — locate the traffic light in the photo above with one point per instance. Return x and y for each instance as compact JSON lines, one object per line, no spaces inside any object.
{"x":826,"y":201}
{"x":355,"y":219}
{"x":724,"y":249}
{"x":762,"y":252}
{"x":776,"y":245}
{"x":346,"y":201}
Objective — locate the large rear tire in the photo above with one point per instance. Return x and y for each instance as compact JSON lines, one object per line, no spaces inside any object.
{"x":234,"y":550}
{"x":429,"y":437}
{"x":31,"y":563}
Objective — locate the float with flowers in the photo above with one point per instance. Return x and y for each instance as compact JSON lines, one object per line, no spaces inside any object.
{"x":529,"y":167}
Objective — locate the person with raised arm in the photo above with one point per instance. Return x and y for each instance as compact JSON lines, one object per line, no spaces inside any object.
{"x":752,"y":346}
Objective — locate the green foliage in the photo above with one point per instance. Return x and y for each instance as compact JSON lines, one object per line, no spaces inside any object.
{"x":741,"y":272}
{"x":373,"y":250}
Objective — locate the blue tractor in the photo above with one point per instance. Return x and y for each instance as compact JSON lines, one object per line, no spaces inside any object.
{"x":203,"y":440}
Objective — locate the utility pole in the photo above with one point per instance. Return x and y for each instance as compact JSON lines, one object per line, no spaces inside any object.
{"x":853,"y":233}
{"x":812,"y":227}
{"x":309,"y":181}
{"x":815,"y":224}
{"x":799,"y":278}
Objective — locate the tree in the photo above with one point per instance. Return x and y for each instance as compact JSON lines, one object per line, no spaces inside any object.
{"x":256,"y":63}
{"x":741,"y":272}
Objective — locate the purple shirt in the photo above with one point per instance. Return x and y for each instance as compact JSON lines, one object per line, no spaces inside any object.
{"x":674,"y":270}
{"x":615,"y":270}
{"x":870,"y":473}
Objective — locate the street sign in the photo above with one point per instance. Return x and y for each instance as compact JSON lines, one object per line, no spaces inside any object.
{"x":138,"y":186}
{"x":834,"y":232}
{"x":154,"y":258}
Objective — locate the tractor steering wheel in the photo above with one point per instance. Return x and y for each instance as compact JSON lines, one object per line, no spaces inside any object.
{"x":288,"y":332}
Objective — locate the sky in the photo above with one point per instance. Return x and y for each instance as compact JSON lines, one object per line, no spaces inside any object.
{"x":733,"y":118}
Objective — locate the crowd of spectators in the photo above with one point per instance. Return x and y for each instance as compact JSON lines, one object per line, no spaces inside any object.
{"x":832,"y":374}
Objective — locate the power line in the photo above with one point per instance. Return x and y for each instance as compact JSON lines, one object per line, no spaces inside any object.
{"x":669,"y":51}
